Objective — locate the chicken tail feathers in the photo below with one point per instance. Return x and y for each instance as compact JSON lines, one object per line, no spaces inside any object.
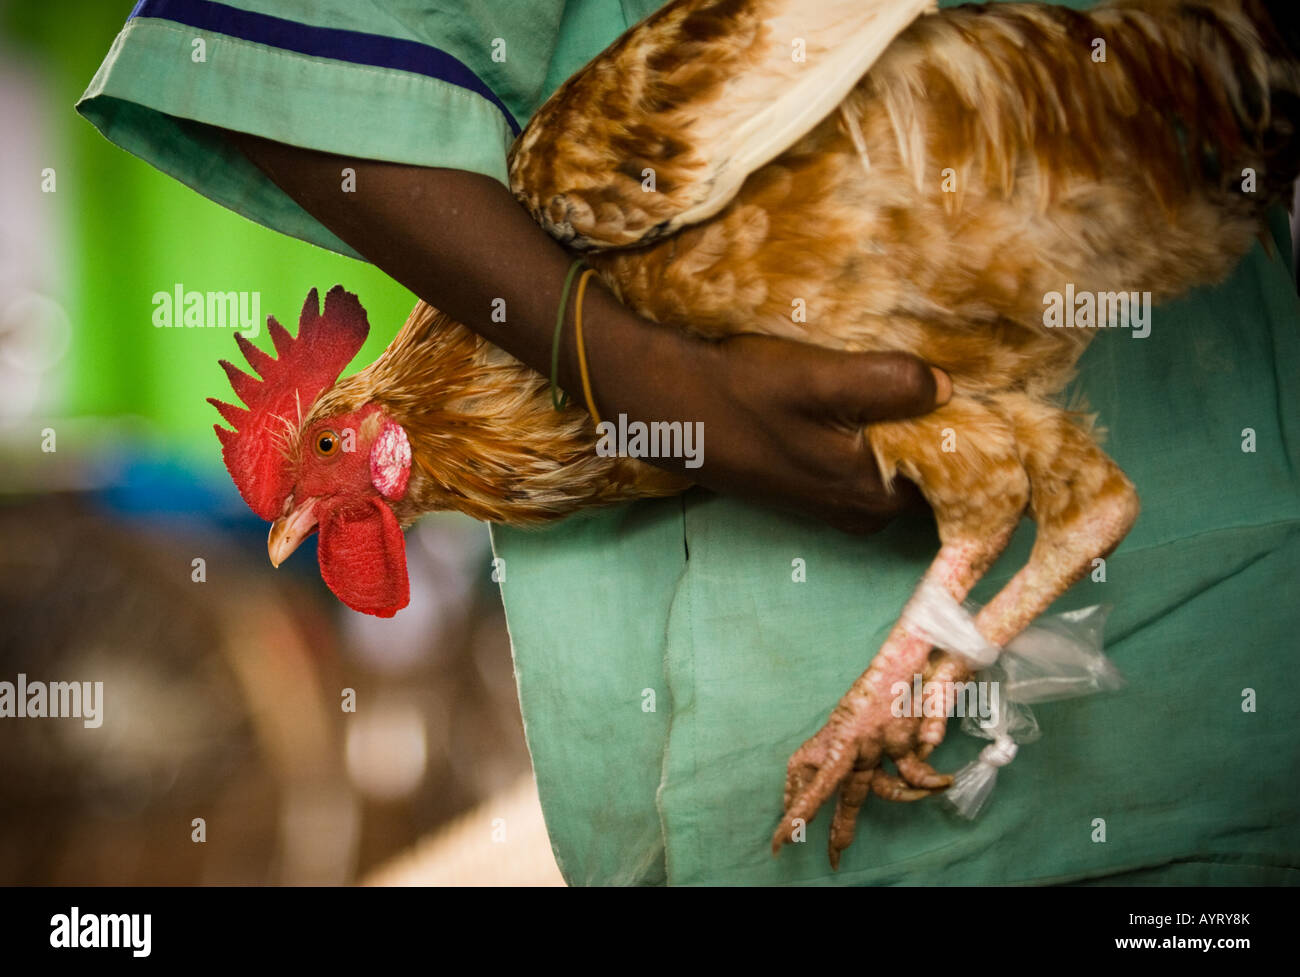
{"x":1246,"y":61}
{"x":1284,"y":17}
{"x":1279,"y":25}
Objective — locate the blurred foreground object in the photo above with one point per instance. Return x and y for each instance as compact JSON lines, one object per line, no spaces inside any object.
{"x":501,"y":842}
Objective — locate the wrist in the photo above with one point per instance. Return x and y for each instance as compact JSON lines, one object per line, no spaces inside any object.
{"x":627,"y":356}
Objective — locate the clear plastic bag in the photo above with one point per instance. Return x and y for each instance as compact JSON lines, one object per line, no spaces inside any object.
{"x":1014,"y":726}
{"x":1057,"y":657}
{"x":934,"y":615}
{"x":1014,"y":719}
{"x":1060,"y":657}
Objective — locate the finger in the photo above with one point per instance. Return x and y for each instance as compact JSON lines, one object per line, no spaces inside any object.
{"x":857,"y":524}
{"x":875,"y":507}
{"x":863,"y":388}
{"x":907,"y":497}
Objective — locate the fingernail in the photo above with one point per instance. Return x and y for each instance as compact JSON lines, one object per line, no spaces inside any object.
{"x":942,"y":387}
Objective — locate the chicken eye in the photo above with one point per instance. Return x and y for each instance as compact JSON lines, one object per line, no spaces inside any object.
{"x":327,"y":443}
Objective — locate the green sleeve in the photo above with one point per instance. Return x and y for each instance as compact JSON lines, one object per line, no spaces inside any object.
{"x":411,"y":81}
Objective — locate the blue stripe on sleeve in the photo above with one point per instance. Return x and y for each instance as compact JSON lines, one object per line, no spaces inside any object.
{"x":356,"y":47}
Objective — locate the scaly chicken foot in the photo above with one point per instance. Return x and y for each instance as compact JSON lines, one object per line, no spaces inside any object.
{"x":1084,"y":506}
{"x":847,"y":753}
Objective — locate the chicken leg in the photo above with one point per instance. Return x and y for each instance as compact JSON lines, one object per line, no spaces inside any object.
{"x":1083,"y":505}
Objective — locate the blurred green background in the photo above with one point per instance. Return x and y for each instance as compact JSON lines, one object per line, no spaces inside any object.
{"x":222,"y":694}
{"x":119,"y":231}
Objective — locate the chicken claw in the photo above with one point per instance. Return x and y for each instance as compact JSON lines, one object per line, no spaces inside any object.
{"x":847,"y":753}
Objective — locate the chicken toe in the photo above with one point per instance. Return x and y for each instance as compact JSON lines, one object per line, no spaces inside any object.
{"x":846,"y":754}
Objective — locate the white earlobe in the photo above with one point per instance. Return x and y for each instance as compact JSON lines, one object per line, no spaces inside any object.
{"x":390,"y":461}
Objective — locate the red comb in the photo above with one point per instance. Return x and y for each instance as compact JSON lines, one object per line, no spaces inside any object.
{"x":288,"y":387}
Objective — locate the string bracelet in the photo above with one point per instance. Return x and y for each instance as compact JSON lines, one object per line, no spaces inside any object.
{"x":559,"y":399}
{"x":582,"y":346}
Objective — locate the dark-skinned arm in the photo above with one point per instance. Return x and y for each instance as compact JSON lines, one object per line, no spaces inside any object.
{"x":783,"y":419}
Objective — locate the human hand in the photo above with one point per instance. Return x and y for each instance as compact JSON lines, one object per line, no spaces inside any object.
{"x":783,"y":421}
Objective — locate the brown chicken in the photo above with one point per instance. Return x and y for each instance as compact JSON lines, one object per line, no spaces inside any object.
{"x":853,"y":173}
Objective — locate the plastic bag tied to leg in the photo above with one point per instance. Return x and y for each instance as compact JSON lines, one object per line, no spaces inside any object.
{"x":1058,"y":657}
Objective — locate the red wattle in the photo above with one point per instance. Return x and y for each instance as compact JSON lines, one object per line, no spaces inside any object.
{"x":363,"y":557}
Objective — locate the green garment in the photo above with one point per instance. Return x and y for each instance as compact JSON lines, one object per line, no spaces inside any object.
{"x":695,"y":598}
{"x":669,"y":662}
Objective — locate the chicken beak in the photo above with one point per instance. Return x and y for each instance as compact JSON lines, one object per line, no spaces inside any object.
{"x":288,"y":532}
